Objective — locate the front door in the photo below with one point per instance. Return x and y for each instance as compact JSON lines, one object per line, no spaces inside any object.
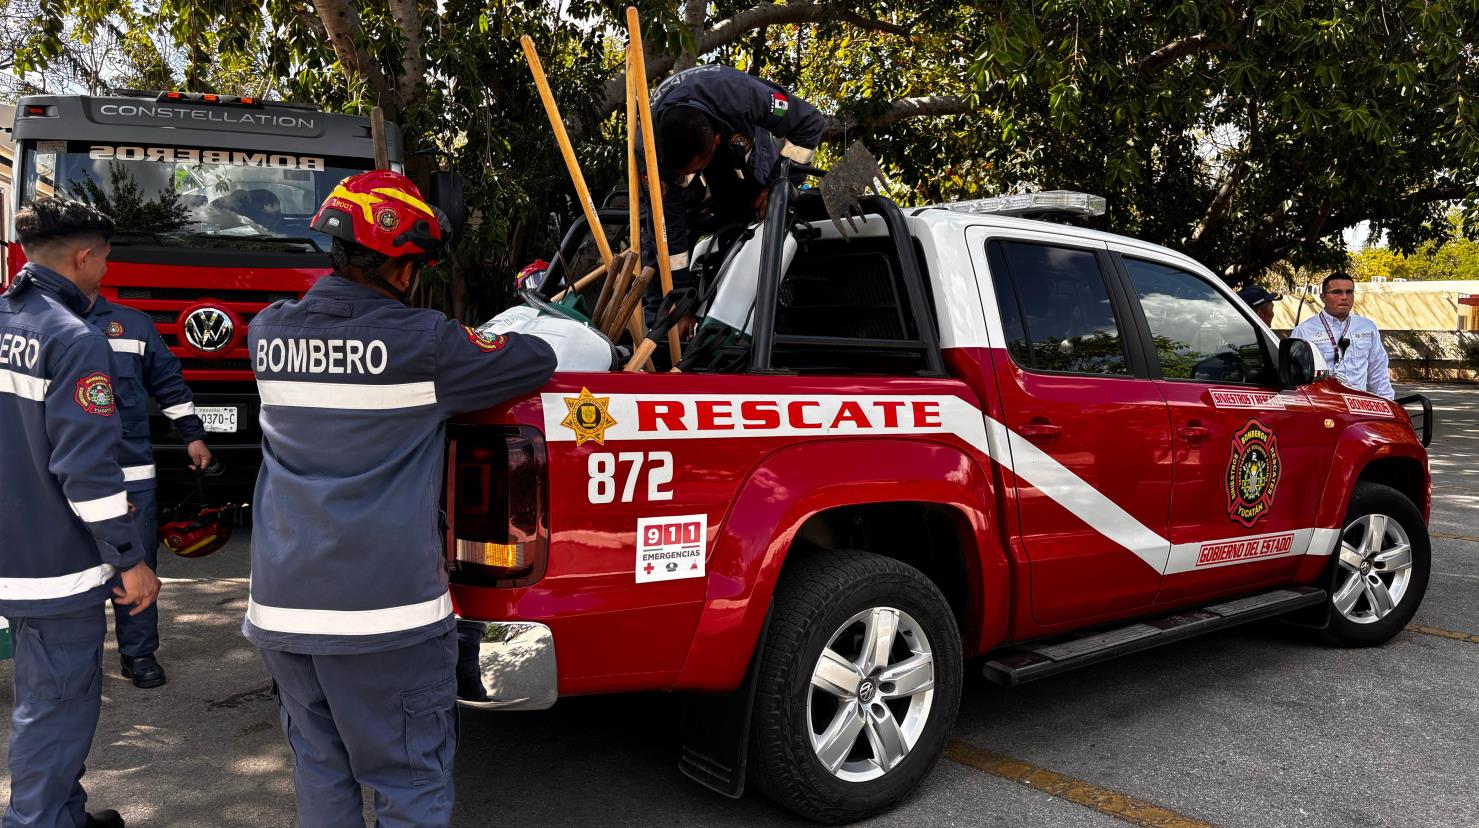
{"x":1089,"y":435}
{"x":1249,"y":458}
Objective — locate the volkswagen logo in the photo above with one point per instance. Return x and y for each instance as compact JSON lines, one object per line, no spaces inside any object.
{"x":209,"y":330}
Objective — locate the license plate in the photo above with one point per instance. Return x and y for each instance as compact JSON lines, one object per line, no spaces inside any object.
{"x":220,"y":420}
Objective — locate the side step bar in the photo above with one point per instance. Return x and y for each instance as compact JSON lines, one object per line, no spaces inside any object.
{"x":1058,"y":655}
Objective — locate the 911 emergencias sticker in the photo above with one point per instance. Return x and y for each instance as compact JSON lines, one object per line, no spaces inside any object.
{"x":671,"y":548}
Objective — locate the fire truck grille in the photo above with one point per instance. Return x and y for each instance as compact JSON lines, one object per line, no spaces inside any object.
{"x":192,"y":364}
{"x":194,"y":294}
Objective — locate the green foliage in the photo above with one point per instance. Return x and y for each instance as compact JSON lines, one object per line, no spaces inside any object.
{"x":1454,"y":256}
{"x":1313,"y":118}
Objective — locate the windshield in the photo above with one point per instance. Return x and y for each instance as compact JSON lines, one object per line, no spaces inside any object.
{"x":189,"y":196}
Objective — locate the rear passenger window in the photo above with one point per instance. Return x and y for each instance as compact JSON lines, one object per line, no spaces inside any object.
{"x":1198,"y":333}
{"x":1055,"y":309}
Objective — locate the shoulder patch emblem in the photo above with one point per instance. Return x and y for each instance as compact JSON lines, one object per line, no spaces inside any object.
{"x":1252,"y":473}
{"x":113,"y":329}
{"x":95,"y":394}
{"x":486,"y":340}
{"x":779,"y":105}
{"x":588,"y":417}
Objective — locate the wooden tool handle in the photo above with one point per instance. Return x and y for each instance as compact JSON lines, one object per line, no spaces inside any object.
{"x":630,"y":303}
{"x":377,"y":138}
{"x":582,"y":193}
{"x":634,"y":182}
{"x":649,"y":153}
{"x":638,"y":329}
{"x":605,"y":295}
{"x":624,"y":274}
{"x":582,"y":283}
{"x":641,"y":355}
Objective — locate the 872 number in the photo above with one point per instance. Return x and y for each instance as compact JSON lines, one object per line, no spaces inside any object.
{"x":606,"y":470}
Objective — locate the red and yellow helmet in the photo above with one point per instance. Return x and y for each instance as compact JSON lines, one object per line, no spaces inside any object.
{"x":384,"y":211}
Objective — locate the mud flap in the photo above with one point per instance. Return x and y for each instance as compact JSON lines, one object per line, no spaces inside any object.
{"x":716,"y":731}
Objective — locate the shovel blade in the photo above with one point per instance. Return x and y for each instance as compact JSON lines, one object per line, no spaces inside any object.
{"x":847,"y":181}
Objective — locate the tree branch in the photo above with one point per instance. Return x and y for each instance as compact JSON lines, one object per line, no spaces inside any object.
{"x":341,"y":22}
{"x":1223,"y":200}
{"x":694,"y":13}
{"x":1178,"y":49}
{"x":734,"y":28}
{"x":413,"y":58}
{"x":869,"y":24}
{"x":1264,"y":252}
{"x":308,"y":17}
{"x":929,"y":106}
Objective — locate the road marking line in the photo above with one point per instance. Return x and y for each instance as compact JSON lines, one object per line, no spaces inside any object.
{"x":1456,"y":636}
{"x":1105,"y":801}
{"x":1471,"y":538}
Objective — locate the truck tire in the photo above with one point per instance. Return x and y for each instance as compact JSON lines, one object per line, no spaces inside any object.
{"x":1380,"y":568}
{"x":858,"y":687}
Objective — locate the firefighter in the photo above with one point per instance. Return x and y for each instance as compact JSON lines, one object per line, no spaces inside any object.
{"x":143,"y":367}
{"x":720,"y":136}
{"x":348,"y":600}
{"x":67,"y":539}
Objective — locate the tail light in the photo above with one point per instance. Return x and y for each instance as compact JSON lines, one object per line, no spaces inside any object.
{"x":497,"y":502}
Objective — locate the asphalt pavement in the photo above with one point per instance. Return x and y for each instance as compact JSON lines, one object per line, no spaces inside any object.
{"x":1257,"y":726}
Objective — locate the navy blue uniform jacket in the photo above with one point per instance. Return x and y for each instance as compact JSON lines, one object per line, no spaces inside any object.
{"x":347,"y":553}
{"x":65,"y":527}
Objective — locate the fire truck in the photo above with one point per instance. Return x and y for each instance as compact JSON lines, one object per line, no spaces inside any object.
{"x":212,"y":196}
{"x":957,"y":437}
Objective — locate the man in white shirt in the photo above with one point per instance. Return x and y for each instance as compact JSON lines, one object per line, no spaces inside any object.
{"x":1350,"y":343}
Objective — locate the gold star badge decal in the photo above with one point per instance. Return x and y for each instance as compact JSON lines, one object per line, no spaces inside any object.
{"x":588,"y":417}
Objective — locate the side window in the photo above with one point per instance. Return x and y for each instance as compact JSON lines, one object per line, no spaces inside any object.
{"x":1198,"y":333}
{"x":1055,"y":309}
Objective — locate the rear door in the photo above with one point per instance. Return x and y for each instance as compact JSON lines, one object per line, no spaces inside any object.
{"x":1250,"y":458}
{"x":1087,"y":432}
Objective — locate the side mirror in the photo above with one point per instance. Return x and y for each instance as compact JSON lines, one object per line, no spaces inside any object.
{"x":445,"y":194}
{"x":1296,"y":363}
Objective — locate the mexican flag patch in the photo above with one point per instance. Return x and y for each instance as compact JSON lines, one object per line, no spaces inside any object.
{"x":779,"y":105}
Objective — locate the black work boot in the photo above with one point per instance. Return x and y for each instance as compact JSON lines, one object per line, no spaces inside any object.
{"x":144,"y":671}
{"x":105,"y":819}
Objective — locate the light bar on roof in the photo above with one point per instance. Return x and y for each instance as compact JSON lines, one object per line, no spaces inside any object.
{"x":1051,"y":201}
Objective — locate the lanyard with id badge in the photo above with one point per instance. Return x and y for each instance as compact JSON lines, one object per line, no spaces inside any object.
{"x":1338,"y":346}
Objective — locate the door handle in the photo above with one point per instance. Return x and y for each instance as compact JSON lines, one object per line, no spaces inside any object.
{"x":1194,"y":433}
{"x":1041,"y":431}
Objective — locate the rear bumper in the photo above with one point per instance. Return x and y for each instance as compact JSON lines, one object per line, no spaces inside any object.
{"x":506,"y":665}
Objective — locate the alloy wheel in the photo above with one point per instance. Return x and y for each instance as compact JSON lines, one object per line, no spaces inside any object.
{"x":871,"y":693}
{"x":1375,"y":568}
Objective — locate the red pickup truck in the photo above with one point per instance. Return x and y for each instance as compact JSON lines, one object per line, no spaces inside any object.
{"x":956,"y":434}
